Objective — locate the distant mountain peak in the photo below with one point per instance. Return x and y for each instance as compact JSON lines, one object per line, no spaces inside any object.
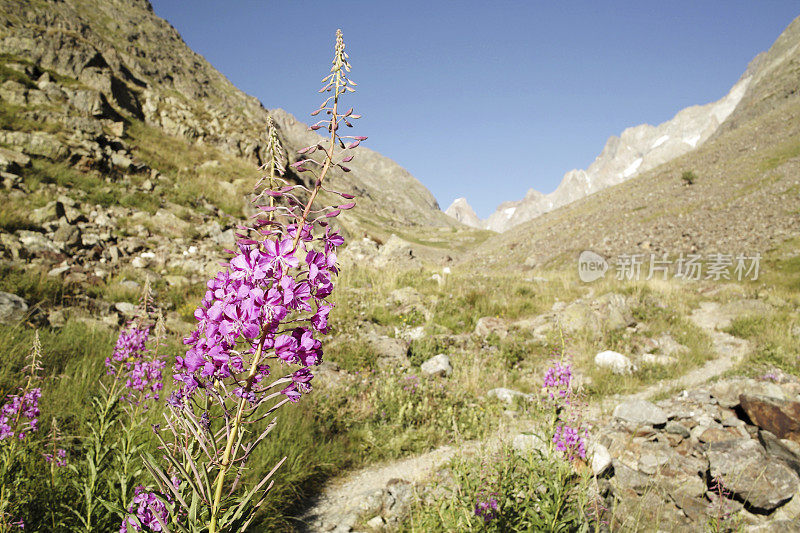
{"x":463,"y":212}
{"x":636,"y":150}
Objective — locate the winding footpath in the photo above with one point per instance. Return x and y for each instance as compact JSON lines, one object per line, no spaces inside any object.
{"x":343,"y":500}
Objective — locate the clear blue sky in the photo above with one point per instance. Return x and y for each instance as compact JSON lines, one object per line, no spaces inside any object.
{"x":486,"y":99}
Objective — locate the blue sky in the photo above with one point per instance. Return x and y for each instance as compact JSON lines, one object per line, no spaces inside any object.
{"x":486,"y":99}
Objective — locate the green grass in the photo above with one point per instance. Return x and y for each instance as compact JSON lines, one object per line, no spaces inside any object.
{"x":177,"y":159}
{"x":64,"y":349}
{"x":12,"y":118}
{"x":788,"y":149}
{"x":33,"y":285}
{"x":514,"y":480}
{"x":90,"y":185}
{"x":15,"y":215}
{"x":773,"y":340}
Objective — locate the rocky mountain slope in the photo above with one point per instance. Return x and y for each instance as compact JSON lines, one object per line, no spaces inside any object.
{"x":80,"y":76}
{"x":744,"y":199}
{"x":637,"y":150}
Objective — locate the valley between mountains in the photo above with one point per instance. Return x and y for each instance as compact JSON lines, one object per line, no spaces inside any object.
{"x":127,"y":160}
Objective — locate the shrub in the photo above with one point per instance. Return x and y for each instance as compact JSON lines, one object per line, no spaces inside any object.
{"x":688,"y":177}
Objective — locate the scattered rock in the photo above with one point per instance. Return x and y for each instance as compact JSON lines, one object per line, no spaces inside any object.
{"x":176,"y":280}
{"x":640,"y":412}
{"x":657,"y":360}
{"x":525,"y":442}
{"x":438,"y":365}
{"x":618,"y":363}
{"x":359,"y":251}
{"x":126,"y":308}
{"x":389,"y":352}
{"x":12,"y":307}
{"x":50,"y":212}
{"x":410,"y":334}
{"x":613,"y":311}
{"x":376,"y":523}
{"x":68,"y":235}
{"x":487,"y":325}
{"x":507,"y":395}
{"x":677,"y":429}
{"x":57,"y":318}
{"x":328,"y":372}
{"x":780,"y":417}
{"x":600,"y":458}
{"x":37,"y":243}
{"x":669,"y":346}
{"x":578,"y":316}
{"x":746,"y":471}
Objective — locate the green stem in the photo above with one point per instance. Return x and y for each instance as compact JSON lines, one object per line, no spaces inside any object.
{"x":232,"y":436}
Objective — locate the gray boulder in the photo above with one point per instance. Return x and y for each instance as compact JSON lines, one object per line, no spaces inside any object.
{"x":12,"y":307}
{"x":618,"y":363}
{"x":389,"y":352}
{"x":640,"y":412}
{"x":744,"y":468}
{"x":507,"y":395}
{"x":489,"y":324}
{"x":438,"y":365}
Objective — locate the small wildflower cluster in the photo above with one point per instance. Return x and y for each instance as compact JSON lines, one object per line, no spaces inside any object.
{"x":487,"y":508}
{"x":147,"y":513}
{"x":771,"y":376}
{"x":557,"y":380}
{"x":570,"y":441}
{"x":487,"y":503}
{"x":412,"y":383}
{"x":20,"y":415}
{"x":139,"y":369}
{"x":59,"y":458}
{"x":569,"y":438}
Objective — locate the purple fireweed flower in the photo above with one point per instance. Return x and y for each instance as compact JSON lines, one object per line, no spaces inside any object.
{"x":148,"y":509}
{"x":130,"y":345}
{"x":557,"y":380}
{"x":280,"y":253}
{"x":249,"y":301}
{"x":487,"y":508}
{"x":133,"y":364}
{"x":20,"y":414}
{"x":305,"y":234}
{"x":59,"y":458}
{"x":570,"y":442}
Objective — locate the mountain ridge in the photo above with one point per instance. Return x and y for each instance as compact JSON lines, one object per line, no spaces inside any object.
{"x":116,"y":62}
{"x":636,"y":150}
{"x":744,"y":198}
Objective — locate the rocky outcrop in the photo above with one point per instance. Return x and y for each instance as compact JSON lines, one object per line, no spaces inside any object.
{"x":87,"y":69}
{"x":695,"y":457}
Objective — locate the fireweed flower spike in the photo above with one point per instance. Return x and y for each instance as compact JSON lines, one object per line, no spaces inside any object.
{"x":19,"y":417}
{"x":136,"y":368}
{"x":568,"y":435}
{"x":20,"y":414}
{"x":256,"y":342}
